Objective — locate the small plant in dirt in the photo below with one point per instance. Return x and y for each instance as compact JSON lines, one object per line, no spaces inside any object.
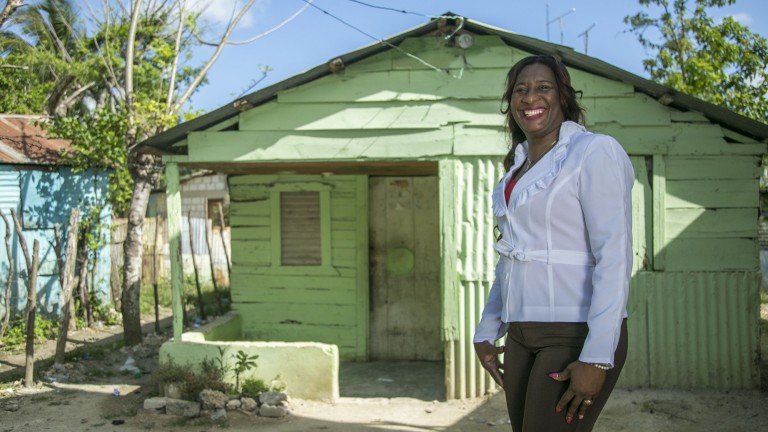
{"x":253,"y":387}
{"x":210,"y":376}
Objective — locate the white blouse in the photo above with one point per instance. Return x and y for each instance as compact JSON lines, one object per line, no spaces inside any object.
{"x":566,"y":249}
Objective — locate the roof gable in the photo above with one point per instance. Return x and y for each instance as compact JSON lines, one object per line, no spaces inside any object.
{"x":173,"y":140}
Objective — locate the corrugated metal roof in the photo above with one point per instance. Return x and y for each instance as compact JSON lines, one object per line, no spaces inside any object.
{"x":23,"y":141}
{"x":165,"y":141}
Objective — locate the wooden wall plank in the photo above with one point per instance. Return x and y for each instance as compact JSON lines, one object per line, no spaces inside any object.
{"x":712,"y":193}
{"x":475,"y":141}
{"x":485,"y":52}
{"x":362,"y":268}
{"x":320,"y":145}
{"x":723,"y":254}
{"x":371,"y":115}
{"x":293,"y":289}
{"x":659,"y":188}
{"x":596,"y":86}
{"x":635,"y":110}
{"x":711,"y":223}
{"x":712,"y":167}
{"x":399,"y":85}
{"x":642,"y":211}
{"x":299,"y":313}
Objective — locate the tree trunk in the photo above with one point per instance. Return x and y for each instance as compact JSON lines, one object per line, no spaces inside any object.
{"x":145,"y":170}
{"x":7,"y":296}
{"x":29,"y":368}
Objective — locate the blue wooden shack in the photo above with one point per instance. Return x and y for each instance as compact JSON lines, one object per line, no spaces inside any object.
{"x":42,"y":190}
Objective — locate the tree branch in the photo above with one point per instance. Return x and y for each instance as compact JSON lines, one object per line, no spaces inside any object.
{"x":215,"y":56}
{"x":175,"y":64}
{"x":9,"y":9}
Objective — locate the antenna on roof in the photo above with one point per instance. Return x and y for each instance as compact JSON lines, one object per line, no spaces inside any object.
{"x":557,"y":18}
{"x":585,"y":33}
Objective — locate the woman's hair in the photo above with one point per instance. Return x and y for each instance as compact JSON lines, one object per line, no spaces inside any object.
{"x":569,"y":103}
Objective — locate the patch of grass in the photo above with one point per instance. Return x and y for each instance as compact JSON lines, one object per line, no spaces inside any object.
{"x":16,"y":334}
{"x":164,"y":296}
{"x":93,"y":351}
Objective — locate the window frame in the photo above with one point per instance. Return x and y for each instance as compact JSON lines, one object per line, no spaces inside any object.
{"x":325,"y":267}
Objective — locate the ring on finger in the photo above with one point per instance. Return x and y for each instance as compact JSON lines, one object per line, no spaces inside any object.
{"x":587,"y":402}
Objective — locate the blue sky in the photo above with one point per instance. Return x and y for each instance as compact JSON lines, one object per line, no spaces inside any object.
{"x":312,"y":38}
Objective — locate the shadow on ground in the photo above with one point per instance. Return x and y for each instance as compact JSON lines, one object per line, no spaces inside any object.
{"x":422,"y":380}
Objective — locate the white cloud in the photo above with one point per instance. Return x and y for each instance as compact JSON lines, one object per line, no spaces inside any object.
{"x":218,"y":12}
{"x":742,"y":18}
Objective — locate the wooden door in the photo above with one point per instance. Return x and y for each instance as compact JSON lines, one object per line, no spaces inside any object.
{"x":405,"y":269}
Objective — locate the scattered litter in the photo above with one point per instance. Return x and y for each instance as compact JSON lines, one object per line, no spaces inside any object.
{"x":116,"y":392}
{"x":130,"y":368}
{"x":386,"y":380}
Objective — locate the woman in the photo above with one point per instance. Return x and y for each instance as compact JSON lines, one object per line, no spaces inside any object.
{"x":564,"y":212}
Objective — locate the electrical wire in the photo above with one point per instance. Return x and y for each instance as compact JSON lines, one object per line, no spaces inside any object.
{"x":391,"y":9}
{"x":386,"y":43}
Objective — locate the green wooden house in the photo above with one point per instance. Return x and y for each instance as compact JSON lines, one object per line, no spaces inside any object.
{"x":361,"y":213}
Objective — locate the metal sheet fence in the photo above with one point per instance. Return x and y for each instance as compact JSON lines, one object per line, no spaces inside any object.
{"x":156,"y":259}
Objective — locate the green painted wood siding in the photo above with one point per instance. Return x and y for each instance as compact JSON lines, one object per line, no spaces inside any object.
{"x":283,"y":303}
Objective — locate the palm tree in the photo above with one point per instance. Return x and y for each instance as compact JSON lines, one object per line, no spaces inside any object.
{"x":47,"y":39}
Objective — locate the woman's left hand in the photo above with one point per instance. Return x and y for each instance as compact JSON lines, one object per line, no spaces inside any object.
{"x":586,"y":383}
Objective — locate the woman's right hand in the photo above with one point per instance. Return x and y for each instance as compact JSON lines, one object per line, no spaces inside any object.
{"x":488,"y":354}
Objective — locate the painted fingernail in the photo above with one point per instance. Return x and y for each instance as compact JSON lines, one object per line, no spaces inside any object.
{"x":554,"y":375}
{"x":558,"y":409}
{"x":581,"y":416}
{"x":568,"y":420}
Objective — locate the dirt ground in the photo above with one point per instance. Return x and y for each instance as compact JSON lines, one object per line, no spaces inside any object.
{"x":375,"y":397}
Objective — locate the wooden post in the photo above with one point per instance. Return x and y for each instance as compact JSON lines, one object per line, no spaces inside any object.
{"x":29,"y":367}
{"x":66,"y":276}
{"x":7,"y":296}
{"x":23,"y":244}
{"x":85,"y":304}
{"x":213,"y":272}
{"x":173,"y":203}
{"x":155,"y":276}
{"x":194,"y":267}
{"x":224,"y":242}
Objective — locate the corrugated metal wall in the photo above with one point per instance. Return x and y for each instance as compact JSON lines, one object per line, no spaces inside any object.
{"x":687,"y":330}
{"x":475,"y":177}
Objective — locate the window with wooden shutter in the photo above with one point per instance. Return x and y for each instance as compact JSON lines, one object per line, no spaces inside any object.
{"x":300,"y":229}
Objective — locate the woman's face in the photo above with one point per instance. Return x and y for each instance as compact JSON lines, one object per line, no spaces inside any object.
{"x":536,"y":103}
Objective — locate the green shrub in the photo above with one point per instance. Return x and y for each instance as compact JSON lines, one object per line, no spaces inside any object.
{"x":252,"y":387}
{"x":16,"y":334}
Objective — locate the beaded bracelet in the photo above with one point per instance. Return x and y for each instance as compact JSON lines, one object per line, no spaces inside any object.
{"x":603,"y":366}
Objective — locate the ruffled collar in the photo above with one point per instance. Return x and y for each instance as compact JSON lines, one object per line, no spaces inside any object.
{"x":539,"y":177}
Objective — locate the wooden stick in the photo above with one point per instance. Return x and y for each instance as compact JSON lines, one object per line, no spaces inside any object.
{"x":67,"y":275}
{"x":23,"y":243}
{"x":223,"y":242}
{"x":29,"y":369}
{"x":213,"y":272}
{"x":194,"y":266}
{"x":7,"y":297}
{"x":155,"y":276}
